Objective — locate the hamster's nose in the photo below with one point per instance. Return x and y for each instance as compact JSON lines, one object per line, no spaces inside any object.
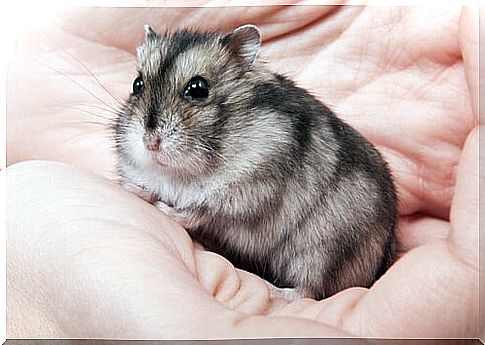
{"x":153,"y":143}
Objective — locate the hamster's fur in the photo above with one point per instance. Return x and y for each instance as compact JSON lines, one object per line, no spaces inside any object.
{"x":257,"y":169}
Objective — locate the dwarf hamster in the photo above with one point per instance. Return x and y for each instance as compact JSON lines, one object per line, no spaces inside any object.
{"x":253,"y":166}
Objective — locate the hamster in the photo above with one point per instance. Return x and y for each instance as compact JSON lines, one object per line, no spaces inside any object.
{"x":253,"y":166}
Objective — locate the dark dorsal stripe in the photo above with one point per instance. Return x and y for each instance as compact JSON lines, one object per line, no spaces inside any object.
{"x":180,"y":42}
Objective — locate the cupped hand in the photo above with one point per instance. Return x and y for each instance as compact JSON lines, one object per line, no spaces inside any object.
{"x":405,"y":77}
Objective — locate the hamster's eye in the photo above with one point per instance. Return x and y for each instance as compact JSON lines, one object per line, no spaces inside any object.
{"x":196,"y":89}
{"x":138,"y":85}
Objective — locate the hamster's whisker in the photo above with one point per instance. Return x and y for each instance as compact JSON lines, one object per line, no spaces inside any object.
{"x":91,"y":73}
{"x":77,"y":123}
{"x":202,"y":145}
{"x":210,"y":150}
{"x":128,"y":111}
{"x":113,"y":96}
{"x":74,"y":81}
{"x":96,"y":115}
{"x":90,"y":105}
{"x":226,"y":144}
{"x":87,"y":109}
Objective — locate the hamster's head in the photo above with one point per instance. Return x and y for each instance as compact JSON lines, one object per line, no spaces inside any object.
{"x":189,"y":97}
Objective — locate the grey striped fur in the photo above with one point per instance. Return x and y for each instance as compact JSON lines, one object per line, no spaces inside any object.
{"x":260,"y":172}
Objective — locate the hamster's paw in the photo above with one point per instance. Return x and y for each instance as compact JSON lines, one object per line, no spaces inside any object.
{"x":139,"y":191}
{"x":289,"y":294}
{"x":182,"y":218}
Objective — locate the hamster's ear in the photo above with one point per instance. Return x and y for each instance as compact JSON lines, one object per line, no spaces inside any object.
{"x":148,"y":53}
{"x":245,"y":42}
{"x":150,"y":35}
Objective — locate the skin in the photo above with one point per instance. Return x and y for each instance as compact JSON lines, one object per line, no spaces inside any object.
{"x":78,"y":271}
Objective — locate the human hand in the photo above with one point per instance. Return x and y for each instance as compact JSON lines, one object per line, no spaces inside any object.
{"x":397,"y":75}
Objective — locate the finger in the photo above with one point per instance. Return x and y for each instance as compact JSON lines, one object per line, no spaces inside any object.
{"x":409,"y":300}
{"x":411,"y":293}
{"x":463,"y":239}
{"x":468,"y":39}
{"x":248,"y":294}
{"x":235,"y":289}
{"x":415,"y":231}
{"x":92,"y":24}
{"x":88,"y":259}
{"x":330,"y":311}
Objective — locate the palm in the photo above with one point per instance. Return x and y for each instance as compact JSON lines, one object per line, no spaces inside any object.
{"x":404,"y":92}
{"x":395,"y":74}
